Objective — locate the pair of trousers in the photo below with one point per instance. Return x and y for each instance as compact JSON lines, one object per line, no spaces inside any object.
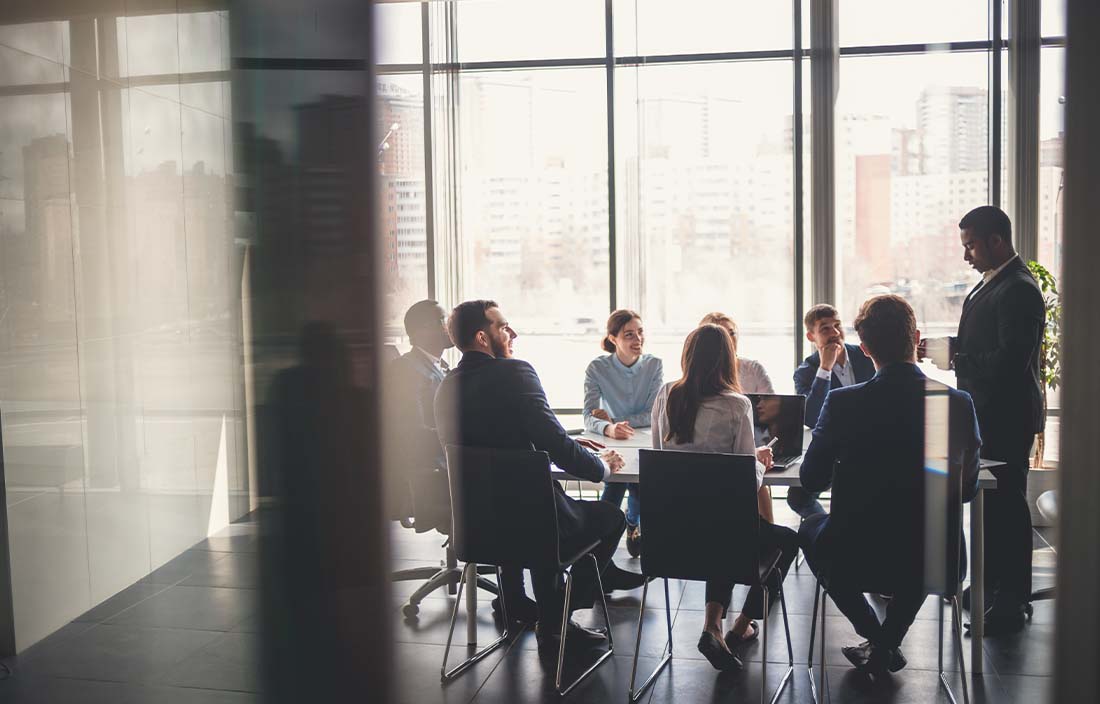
{"x":613,"y":494}
{"x":900,"y":612}
{"x":804,"y":503}
{"x":771,"y":538}
{"x":602,"y":522}
{"x":1007,"y":520}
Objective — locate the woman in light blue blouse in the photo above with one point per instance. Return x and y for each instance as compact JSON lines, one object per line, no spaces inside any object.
{"x":619,"y":391}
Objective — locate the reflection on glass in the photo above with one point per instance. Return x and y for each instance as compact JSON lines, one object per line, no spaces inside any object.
{"x":118,"y":342}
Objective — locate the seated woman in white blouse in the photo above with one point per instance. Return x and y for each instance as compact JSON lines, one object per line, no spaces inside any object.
{"x":754,"y":379}
{"x":705,"y":412}
{"x":751,"y":373}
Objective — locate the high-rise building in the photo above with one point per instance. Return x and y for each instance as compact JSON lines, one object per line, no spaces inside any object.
{"x":953,"y":123}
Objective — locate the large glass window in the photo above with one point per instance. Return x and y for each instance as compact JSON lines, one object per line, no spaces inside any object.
{"x":911,"y":160}
{"x":1052,"y":102}
{"x":648,"y":27}
{"x":505,"y":30}
{"x":399,"y":127}
{"x":873,"y":22}
{"x":705,"y":182}
{"x":533,"y":213}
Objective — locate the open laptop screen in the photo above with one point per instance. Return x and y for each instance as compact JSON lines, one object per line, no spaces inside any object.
{"x":779,"y":415}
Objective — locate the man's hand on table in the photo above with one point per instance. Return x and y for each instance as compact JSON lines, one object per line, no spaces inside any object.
{"x":613,"y":459}
{"x":591,"y":444}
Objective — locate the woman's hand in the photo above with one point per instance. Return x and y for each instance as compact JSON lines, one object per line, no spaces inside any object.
{"x":619,"y":431}
{"x":601,"y":414}
{"x":765,"y":457}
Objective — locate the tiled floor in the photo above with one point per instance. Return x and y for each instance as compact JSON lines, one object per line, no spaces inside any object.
{"x":183,"y":635}
{"x":187,"y":634}
{"x":1017,"y":669}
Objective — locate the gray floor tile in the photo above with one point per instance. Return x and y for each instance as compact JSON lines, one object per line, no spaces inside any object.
{"x":117,"y":653}
{"x":128,"y":597}
{"x":183,"y":566}
{"x":208,"y":608}
{"x":235,"y":570}
{"x":232,"y":663}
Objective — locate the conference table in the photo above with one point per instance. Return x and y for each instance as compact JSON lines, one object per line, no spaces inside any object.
{"x":788,"y":477}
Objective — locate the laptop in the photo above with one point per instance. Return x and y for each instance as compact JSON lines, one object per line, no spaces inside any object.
{"x":782,"y":416}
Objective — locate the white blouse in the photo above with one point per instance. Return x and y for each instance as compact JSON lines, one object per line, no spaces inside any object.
{"x":753,"y":377}
{"x":723,"y":424}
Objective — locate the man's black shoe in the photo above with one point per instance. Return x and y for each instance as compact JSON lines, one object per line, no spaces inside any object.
{"x":522,"y":610}
{"x":617,"y":579}
{"x":634,"y":540}
{"x":858,"y":655}
{"x":577,"y":636}
{"x":870,"y":658}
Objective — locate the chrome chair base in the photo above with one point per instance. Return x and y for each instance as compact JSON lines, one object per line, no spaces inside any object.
{"x":956,"y":627}
{"x":636,"y":693}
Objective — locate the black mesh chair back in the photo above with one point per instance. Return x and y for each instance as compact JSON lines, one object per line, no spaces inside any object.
{"x":701,"y":517}
{"x":503,"y":510}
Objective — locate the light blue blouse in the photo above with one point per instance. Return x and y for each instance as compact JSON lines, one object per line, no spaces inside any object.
{"x":626,"y":393}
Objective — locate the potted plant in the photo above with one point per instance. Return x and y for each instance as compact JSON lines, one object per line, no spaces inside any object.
{"x":1050,"y":354}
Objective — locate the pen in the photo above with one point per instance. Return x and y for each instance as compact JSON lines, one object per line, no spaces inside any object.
{"x":772,"y":441}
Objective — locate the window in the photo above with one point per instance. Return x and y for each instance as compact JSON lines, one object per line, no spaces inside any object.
{"x":911,"y":160}
{"x":533,"y":213}
{"x":705,"y":182}
{"x":402,"y":202}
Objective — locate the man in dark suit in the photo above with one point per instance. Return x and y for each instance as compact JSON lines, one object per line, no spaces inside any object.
{"x":835,"y":364}
{"x":493,"y":400}
{"x":414,"y":378}
{"x":869,"y":444}
{"x":996,"y":359}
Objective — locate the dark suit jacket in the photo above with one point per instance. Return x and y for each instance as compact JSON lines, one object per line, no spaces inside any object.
{"x":869,"y":445}
{"x":997,"y":352}
{"x":815,"y":390}
{"x":422,"y":469}
{"x":490,"y":402}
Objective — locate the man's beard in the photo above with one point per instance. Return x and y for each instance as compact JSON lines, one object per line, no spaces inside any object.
{"x":500,"y":349}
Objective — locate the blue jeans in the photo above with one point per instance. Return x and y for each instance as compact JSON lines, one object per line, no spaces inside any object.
{"x":613,"y":494}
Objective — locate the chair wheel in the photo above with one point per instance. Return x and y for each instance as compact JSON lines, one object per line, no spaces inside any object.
{"x":410,"y":610}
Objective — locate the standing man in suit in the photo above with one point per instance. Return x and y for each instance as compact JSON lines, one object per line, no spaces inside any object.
{"x":996,"y":360}
{"x":835,"y":364}
{"x":869,"y":445}
{"x":494,"y":400}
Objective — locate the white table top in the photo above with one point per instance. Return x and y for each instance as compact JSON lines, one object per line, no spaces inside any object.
{"x":785,"y":477}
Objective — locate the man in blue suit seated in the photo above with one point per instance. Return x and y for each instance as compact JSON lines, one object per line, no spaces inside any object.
{"x":493,"y":400}
{"x":835,"y":364}
{"x":869,"y":445}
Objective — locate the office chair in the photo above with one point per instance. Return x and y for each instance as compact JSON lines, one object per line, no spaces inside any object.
{"x":702,"y":522}
{"x":492,"y":493}
{"x":941,"y":578}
